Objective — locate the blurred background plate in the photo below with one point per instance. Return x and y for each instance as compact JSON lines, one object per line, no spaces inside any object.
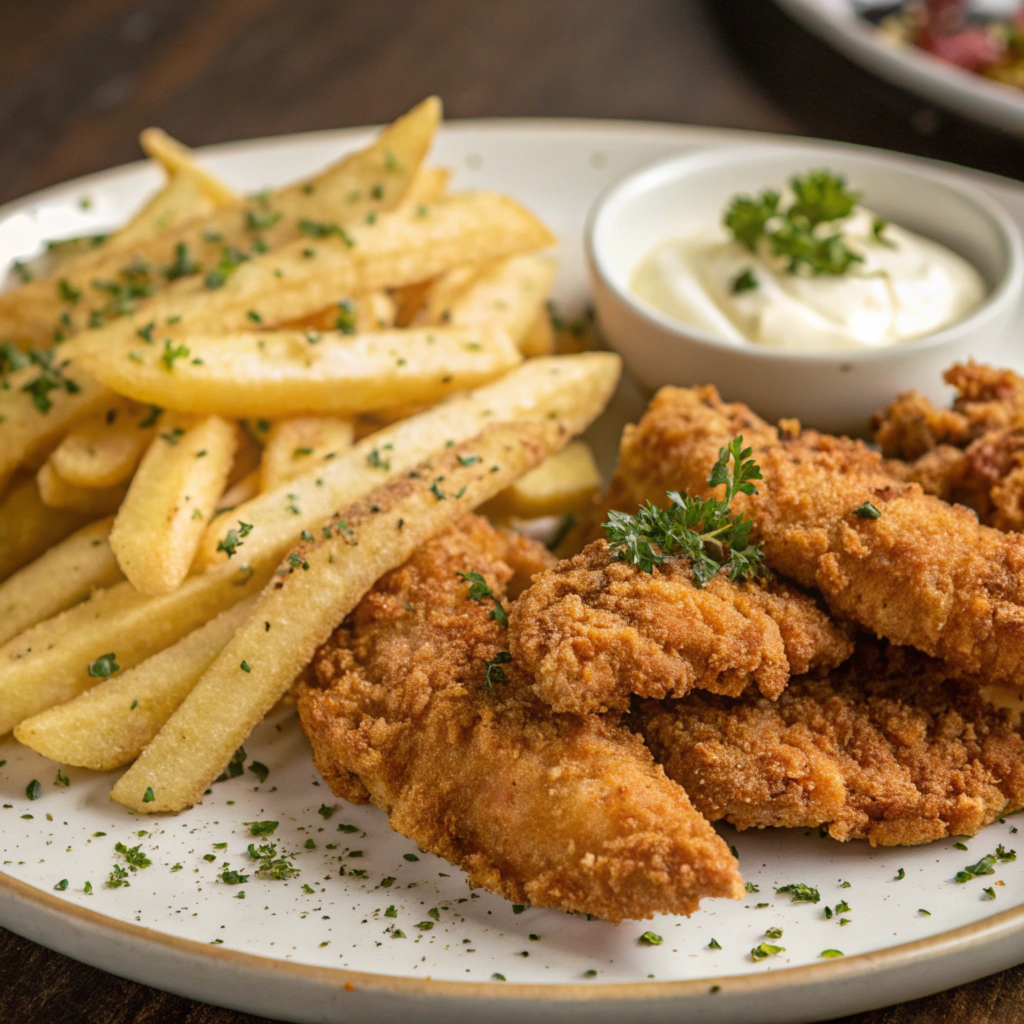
{"x":841,"y":24}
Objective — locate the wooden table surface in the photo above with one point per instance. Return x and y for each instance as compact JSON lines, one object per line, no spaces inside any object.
{"x":80,"y":78}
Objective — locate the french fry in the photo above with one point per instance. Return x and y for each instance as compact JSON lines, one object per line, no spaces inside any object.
{"x":398,"y":249}
{"x":62,"y":576}
{"x":372,"y":312}
{"x":49,"y":663}
{"x":108,"y":726}
{"x":34,"y":416}
{"x":57,"y":493}
{"x":429,"y":185}
{"x":178,"y":159}
{"x":294,"y":446}
{"x":28,"y":527}
{"x":562,"y":484}
{"x":445,"y":290}
{"x":569,"y":391}
{"x":104,"y":449}
{"x":510,"y":294}
{"x":372,"y":180}
{"x":188,"y":192}
{"x":172,"y":497}
{"x":288,"y":373}
{"x":323,"y":581}
{"x":539,"y":339}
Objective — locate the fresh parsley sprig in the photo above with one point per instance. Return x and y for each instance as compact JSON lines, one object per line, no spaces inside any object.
{"x":707,"y":532}
{"x":821,"y":198}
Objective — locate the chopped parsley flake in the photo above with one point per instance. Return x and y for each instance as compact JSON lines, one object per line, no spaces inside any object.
{"x":650,"y":939}
{"x":103,"y":667}
{"x":801,"y":893}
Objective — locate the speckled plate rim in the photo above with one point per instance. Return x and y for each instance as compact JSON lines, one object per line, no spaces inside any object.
{"x":279,"y":988}
{"x":817,"y":992}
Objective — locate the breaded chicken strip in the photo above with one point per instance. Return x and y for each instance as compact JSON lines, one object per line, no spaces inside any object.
{"x":887,"y":749}
{"x":594,"y":630}
{"x":414,"y":704}
{"x":972,"y":453}
{"x":923,"y":573}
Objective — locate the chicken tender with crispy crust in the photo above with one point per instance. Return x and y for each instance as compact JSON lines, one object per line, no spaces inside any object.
{"x":415,"y":705}
{"x":594,"y":630}
{"x":887,"y":749}
{"x":921,"y":572}
{"x":972,"y":453}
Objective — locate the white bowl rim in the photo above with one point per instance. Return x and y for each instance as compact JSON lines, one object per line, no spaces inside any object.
{"x":1006,"y":290}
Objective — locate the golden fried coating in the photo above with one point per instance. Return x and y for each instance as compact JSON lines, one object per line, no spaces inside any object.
{"x":972,"y":453}
{"x":923,"y":573}
{"x":594,"y":630}
{"x":555,"y":810}
{"x":887,"y":748}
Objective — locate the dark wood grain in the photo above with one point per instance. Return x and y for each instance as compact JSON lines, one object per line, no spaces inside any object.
{"x":80,"y":78}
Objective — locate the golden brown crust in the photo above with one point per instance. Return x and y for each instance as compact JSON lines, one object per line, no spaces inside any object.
{"x":594,"y":630}
{"x":887,"y":748}
{"x":554,"y":810}
{"x":924,"y":573}
{"x":972,"y":453}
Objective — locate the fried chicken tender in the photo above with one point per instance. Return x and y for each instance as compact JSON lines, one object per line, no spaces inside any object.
{"x":888,"y":748}
{"x":414,"y":705}
{"x":972,"y":453}
{"x":923,"y":573}
{"x":594,"y":630}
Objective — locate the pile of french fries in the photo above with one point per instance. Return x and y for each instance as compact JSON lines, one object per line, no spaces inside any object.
{"x":222,"y":423}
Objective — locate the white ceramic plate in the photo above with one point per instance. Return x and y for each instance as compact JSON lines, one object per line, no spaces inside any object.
{"x":320,"y":947}
{"x":972,"y":96}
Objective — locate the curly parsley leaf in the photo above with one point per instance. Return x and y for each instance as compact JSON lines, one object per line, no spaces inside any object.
{"x":705,"y":531}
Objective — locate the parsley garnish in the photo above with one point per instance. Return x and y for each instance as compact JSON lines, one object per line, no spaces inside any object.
{"x":378,"y":461}
{"x":831,"y":954}
{"x":133,"y":855}
{"x":235,"y":766}
{"x":261,"y":220}
{"x":801,"y":893}
{"x":764,"y":950}
{"x":229,"y":261}
{"x":62,"y":779}
{"x":322,"y":229}
{"x":706,"y":532}
{"x":867,"y":511}
{"x":261,"y":828}
{"x":66,"y":292}
{"x":821,"y":197}
{"x":651,"y":939}
{"x":103,"y":667}
{"x":172,"y":352}
{"x":345,"y":321}
{"x":183,"y":264}
{"x":985,"y":866}
{"x":494,"y":672}
{"x":33,"y":790}
{"x":260,"y":770}
{"x":233,"y":539}
{"x":745,"y":281}
{"x":50,"y":378}
{"x":478,"y":590}
{"x":713,"y":944}
{"x":272,"y":866}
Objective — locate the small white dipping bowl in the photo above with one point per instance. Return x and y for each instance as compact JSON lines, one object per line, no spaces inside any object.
{"x":835,"y":391}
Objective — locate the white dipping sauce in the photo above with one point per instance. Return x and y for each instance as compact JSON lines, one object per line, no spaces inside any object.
{"x":907,"y":288}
